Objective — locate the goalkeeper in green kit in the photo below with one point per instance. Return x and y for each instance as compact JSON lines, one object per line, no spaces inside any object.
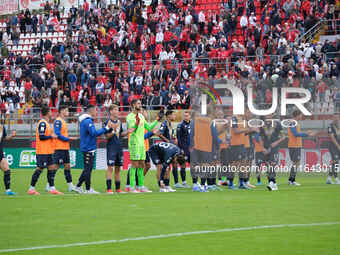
{"x":136,"y":124}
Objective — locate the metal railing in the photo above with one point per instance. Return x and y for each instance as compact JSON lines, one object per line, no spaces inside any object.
{"x":309,"y":34}
{"x":331,"y":27}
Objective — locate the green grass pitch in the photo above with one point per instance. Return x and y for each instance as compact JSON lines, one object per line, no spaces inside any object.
{"x":58,"y":220}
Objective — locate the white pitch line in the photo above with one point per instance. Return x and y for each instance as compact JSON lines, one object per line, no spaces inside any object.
{"x":171,"y":235}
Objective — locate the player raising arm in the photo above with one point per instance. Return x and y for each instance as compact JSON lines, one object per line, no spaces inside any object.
{"x":3,"y":161}
{"x":88,"y":137}
{"x":136,"y":124}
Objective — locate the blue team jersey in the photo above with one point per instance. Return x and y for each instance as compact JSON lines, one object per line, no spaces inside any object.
{"x":165,"y":131}
{"x":114,"y":143}
{"x":183,"y":134}
{"x":165,"y":151}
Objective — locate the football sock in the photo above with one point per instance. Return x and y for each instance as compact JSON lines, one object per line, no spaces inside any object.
{"x":137,"y":179}
{"x":7,"y":179}
{"x":108,"y":184}
{"x":50,"y":177}
{"x":166,"y":182}
{"x":194,"y":179}
{"x":140,"y":176}
{"x":203,"y":180}
{"x":128,"y":178}
{"x":117,"y":183}
{"x":68,"y":176}
{"x":35,"y":177}
{"x":132,"y":177}
{"x":183,"y":174}
{"x":175,"y":174}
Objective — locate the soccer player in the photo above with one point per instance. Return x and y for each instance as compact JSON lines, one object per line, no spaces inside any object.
{"x":294,"y":145}
{"x":334,"y":149}
{"x":271,"y":136}
{"x":249,"y":151}
{"x":183,"y":140}
{"x":88,"y":137}
{"x":167,"y":132}
{"x":259,"y":156}
{"x":44,"y":153}
{"x":3,"y":161}
{"x":114,"y":150}
{"x":136,"y":124}
{"x":237,"y":151}
{"x":204,"y":146}
{"x":162,"y":155}
{"x":221,"y":124}
{"x":61,"y":154}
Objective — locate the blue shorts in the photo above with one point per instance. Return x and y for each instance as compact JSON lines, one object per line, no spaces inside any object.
{"x":114,"y":157}
{"x":154,"y":157}
{"x":187,"y":155}
{"x":295,"y":154}
{"x":61,"y":157}
{"x":237,"y":153}
{"x":202,"y":157}
{"x":44,"y":160}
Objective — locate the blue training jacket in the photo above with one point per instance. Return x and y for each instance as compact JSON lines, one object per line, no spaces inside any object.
{"x":88,"y":133}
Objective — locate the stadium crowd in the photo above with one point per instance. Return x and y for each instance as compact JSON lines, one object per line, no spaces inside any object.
{"x":153,"y":53}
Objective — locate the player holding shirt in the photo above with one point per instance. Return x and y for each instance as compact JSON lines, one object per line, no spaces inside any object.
{"x":271,"y":136}
{"x":3,"y":161}
{"x":44,"y":153}
{"x":114,"y":150}
{"x":61,"y":154}
{"x":334,"y":149}
{"x":136,"y":124}
{"x":162,"y":155}
{"x":294,"y":145}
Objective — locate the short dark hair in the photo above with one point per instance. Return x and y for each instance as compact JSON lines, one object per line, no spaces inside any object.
{"x":169,"y":112}
{"x":62,"y":107}
{"x":44,"y":110}
{"x":134,"y":101}
{"x":89,"y":107}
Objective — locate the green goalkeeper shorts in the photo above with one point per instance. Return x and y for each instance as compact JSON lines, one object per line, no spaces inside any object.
{"x":137,"y":152}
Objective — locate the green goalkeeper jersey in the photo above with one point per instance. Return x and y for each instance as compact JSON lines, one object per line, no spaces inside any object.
{"x":137,"y":137}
